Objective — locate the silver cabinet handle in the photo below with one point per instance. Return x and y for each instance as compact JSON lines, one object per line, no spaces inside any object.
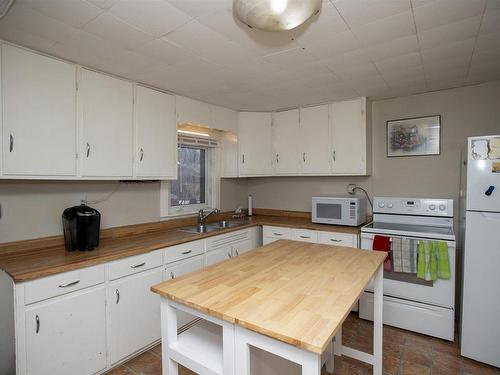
{"x":187,"y":252}
{"x":243,"y":159}
{"x":334,"y":240}
{"x":229,"y":255}
{"x":305,"y":236}
{"x":88,"y":149}
{"x":237,"y":253}
{"x":172,"y":276}
{"x":11,"y":143}
{"x":333,"y":155}
{"x":278,"y":234}
{"x":304,"y":157}
{"x":117,"y":296}
{"x":69,"y":284}
{"x":142,"y":154}
{"x":37,"y":320}
{"x":277,"y":158}
{"x":138,"y":265}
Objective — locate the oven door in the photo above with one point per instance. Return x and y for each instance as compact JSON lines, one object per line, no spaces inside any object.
{"x":329,"y":211}
{"x":406,"y":285}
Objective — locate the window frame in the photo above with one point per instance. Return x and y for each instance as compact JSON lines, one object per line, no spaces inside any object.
{"x":211,"y":189}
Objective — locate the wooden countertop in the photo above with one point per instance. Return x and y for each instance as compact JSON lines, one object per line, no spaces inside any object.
{"x":296,"y":292}
{"x":27,"y":260}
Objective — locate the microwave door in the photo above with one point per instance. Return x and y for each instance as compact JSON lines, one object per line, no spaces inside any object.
{"x":329,"y":212}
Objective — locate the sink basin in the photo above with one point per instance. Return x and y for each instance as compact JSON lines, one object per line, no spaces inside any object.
{"x":211,"y":227}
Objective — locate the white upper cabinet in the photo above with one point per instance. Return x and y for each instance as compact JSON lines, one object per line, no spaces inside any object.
{"x":39,"y":114}
{"x":106,"y":106}
{"x":285,"y":135}
{"x":315,"y":140}
{"x":190,"y":111}
{"x":228,"y":151}
{"x":349,"y":132}
{"x":156,"y":132}
{"x":255,"y":144}
{"x":225,"y":119}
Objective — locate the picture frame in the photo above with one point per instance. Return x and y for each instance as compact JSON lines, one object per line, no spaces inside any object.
{"x":416,"y":136}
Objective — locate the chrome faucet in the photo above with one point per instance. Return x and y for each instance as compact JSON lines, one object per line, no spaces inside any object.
{"x":202,"y":216}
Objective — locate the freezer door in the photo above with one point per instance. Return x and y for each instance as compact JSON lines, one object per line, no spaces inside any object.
{"x":480,"y":330}
{"x":483,"y":174}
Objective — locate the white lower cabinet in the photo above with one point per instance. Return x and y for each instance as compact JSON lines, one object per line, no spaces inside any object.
{"x":67,"y":335}
{"x":218,"y":255}
{"x":272,"y":233}
{"x":133,"y":313}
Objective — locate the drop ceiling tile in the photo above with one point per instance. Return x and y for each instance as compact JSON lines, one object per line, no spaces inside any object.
{"x":488,"y":41}
{"x":395,"y":47}
{"x":484,"y":71}
{"x":103,"y":4}
{"x":452,"y":32}
{"x":198,"y":8}
{"x":333,"y":45}
{"x":164,"y":51}
{"x":492,"y":5}
{"x":82,"y":56}
{"x":437,"y":13}
{"x":399,"y":62}
{"x":458,"y":50}
{"x":415,"y":73}
{"x":491,"y":22}
{"x":23,"y":38}
{"x":116,"y":31}
{"x":75,"y":13}
{"x":385,"y":29}
{"x":357,"y":72}
{"x":155,"y":17}
{"x":360,"y":12}
{"x":289,"y":58}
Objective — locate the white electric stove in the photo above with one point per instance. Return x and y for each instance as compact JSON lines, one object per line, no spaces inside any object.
{"x":409,"y":302}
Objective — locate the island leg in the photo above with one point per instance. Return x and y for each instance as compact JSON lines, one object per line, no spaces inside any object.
{"x":168,"y":335}
{"x":378,"y":321}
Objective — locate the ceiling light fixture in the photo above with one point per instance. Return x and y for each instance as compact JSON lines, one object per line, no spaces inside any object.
{"x":192,"y":133}
{"x":275,"y":15}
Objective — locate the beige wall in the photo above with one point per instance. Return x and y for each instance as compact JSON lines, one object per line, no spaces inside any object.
{"x":467,"y":111}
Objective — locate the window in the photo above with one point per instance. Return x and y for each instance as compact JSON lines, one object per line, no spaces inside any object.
{"x":191,"y":184}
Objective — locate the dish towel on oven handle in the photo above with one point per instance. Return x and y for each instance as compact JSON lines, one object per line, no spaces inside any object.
{"x":433,"y":261}
{"x":383,"y":243}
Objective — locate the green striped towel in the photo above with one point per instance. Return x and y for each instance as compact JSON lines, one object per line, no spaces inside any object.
{"x":433,"y":261}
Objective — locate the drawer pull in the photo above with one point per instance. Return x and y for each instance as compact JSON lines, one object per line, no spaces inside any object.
{"x":334,"y":240}
{"x":187,"y":252}
{"x":69,"y":284}
{"x":138,"y":265}
{"x":237,"y":253}
{"x":229,"y":254}
{"x":278,"y":234}
{"x":11,"y":143}
{"x":37,"y":319}
{"x":305,"y":236}
{"x":172,"y":276}
{"x":117,"y":296}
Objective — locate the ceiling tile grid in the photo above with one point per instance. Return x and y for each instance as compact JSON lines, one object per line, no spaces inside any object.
{"x":377,"y":48}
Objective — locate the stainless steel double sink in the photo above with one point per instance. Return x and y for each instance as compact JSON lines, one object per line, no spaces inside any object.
{"x":212,"y":227}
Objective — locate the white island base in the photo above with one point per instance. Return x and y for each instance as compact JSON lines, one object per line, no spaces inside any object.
{"x":213,"y":346}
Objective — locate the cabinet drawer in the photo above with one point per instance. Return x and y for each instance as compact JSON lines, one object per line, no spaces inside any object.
{"x":51,"y":286}
{"x":184,"y":267}
{"x":305,"y":235}
{"x":135,"y":264}
{"x":183,"y":251}
{"x":277,"y":232}
{"x":339,"y":239}
{"x":227,"y":239}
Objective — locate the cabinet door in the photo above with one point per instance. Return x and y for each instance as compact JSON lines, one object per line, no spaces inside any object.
{"x":182,"y":268}
{"x":242,"y":247}
{"x":349,"y":139}
{"x":190,"y":111}
{"x":218,"y":255}
{"x":67,"y":335}
{"x":255,"y":145}
{"x":39,"y":114}
{"x":316,"y":140}
{"x":285,"y":137}
{"x":228,"y":146}
{"x":107,"y":125}
{"x":156,"y":129}
{"x":131,"y":301}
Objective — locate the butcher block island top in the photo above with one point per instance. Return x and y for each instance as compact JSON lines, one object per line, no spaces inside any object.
{"x":295,"y":292}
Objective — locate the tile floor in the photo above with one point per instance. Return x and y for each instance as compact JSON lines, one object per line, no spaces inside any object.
{"x":405,"y":353}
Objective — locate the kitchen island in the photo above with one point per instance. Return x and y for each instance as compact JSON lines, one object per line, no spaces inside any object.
{"x":288,"y":298}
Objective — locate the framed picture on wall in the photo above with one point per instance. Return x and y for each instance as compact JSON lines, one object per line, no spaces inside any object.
{"x":414,"y":136}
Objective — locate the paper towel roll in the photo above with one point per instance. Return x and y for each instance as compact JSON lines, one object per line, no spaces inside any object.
{"x":250,"y":205}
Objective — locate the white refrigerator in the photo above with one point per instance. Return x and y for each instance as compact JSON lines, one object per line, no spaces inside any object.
{"x":480,"y":315}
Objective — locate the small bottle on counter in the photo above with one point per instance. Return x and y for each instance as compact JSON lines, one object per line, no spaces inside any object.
{"x":250,"y":205}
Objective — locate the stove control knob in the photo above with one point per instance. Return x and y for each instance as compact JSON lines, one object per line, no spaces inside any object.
{"x":389,"y":205}
{"x":432,"y":207}
{"x":381,"y":204}
{"x":442,"y":207}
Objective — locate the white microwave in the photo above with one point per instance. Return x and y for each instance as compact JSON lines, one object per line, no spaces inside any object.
{"x":349,"y":210}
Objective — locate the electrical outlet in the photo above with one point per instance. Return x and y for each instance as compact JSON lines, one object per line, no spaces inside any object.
{"x":351,"y":188}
